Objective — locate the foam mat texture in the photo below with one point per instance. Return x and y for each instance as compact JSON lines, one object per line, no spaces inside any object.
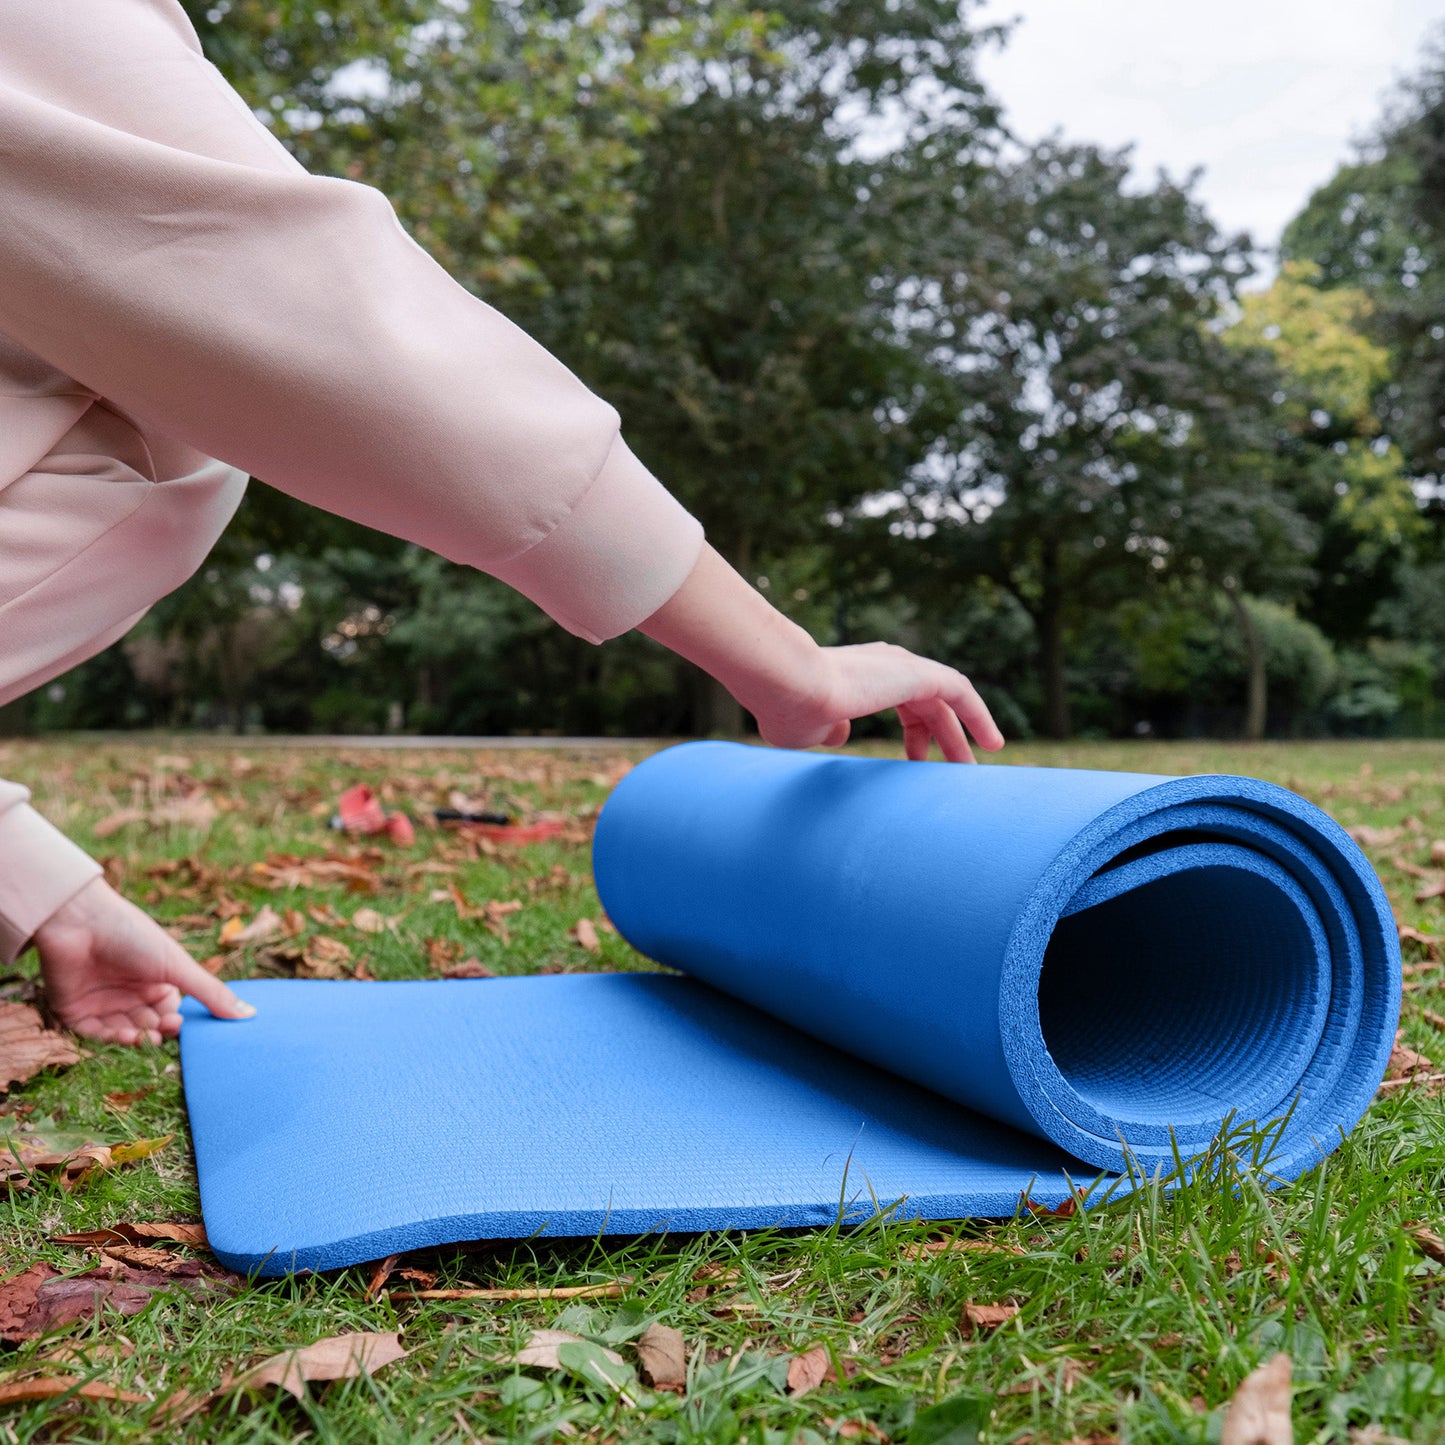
{"x":914,"y":986}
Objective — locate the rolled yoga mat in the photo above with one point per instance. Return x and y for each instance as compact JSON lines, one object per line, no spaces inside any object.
{"x":917,"y":987}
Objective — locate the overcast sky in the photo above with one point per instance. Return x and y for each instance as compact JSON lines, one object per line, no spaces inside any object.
{"x":1266,"y":95}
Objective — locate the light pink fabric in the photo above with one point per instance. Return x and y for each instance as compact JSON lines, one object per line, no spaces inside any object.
{"x":174,"y":288}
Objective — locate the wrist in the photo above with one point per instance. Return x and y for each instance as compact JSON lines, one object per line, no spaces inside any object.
{"x":78,"y":911}
{"x":727,"y":627}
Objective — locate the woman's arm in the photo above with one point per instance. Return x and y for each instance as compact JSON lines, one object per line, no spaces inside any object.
{"x":803,"y":695}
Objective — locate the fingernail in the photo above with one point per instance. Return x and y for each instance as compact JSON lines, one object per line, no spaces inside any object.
{"x":247,"y":1010}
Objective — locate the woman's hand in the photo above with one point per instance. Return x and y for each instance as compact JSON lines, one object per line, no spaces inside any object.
{"x":113,"y":973}
{"x":803,"y":695}
{"x":934,"y":703}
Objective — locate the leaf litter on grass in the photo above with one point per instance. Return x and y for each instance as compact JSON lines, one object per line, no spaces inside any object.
{"x":1144,"y":1267}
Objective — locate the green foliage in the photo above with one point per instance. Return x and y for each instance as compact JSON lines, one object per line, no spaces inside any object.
{"x":995,"y":402}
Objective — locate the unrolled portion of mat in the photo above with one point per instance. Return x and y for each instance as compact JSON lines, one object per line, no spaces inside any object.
{"x":915,"y":986}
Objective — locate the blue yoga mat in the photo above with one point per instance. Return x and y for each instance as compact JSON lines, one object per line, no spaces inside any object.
{"x":913,"y":986}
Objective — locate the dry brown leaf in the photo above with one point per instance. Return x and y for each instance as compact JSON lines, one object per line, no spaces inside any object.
{"x":662,"y":1353}
{"x":325,"y":915}
{"x":987,"y":1317}
{"x":40,"y":1298}
{"x":856,"y":1430}
{"x":145,"y":1256}
{"x":1430,"y":1244}
{"x":468,"y":968}
{"x":65,"y":1167}
{"x":326,"y":958}
{"x":586,"y":934}
{"x":193,"y":1235}
{"x":27,"y":1046}
{"x":441,"y":953}
{"x":114,"y":822}
{"x":380,"y":1273}
{"x":123,"y":1099}
{"x":805,"y":1372}
{"x":368,"y":920}
{"x":340,"y":1357}
{"x":50,"y":1387}
{"x":1259,"y":1414}
{"x":1437,"y":852}
{"x":1405,"y":1061}
{"x":931,"y":1247}
{"x":1064,"y":1209}
{"x":194,"y":810}
{"x":266,"y":925}
{"x":1368,"y":837}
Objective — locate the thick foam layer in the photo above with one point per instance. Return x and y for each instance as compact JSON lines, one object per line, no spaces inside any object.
{"x":917,"y":987}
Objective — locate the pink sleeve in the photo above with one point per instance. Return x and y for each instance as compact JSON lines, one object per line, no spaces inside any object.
{"x":161,"y":248}
{"x":40,"y":869}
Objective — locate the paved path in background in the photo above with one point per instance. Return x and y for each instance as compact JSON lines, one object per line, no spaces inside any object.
{"x":390,"y":741}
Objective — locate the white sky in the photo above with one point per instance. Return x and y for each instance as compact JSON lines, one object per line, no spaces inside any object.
{"x":1267,"y":95}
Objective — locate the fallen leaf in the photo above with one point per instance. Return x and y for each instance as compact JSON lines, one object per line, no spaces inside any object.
{"x":987,"y":1317}
{"x":1437,"y":852}
{"x":50,"y":1387}
{"x":325,"y":915}
{"x":586,"y":934}
{"x":27,"y":1046}
{"x":135,"y":1149}
{"x":195,"y":810}
{"x":1430,"y":1244}
{"x":193,"y":1235}
{"x":1259,"y":1414}
{"x":805,"y":1372}
{"x":368,"y":920}
{"x":40,"y":1298}
{"x":930,"y":1247}
{"x":663,"y":1357}
{"x":468,"y":968}
{"x":441,"y":953}
{"x":114,"y":822}
{"x":1430,"y":942}
{"x":1065,"y":1209}
{"x":326,"y":958}
{"x":856,"y":1429}
{"x":594,"y":1363}
{"x":380,"y":1274}
{"x":123,"y":1099}
{"x":145,"y":1256}
{"x":266,"y":925}
{"x":340,"y":1357}
{"x":1432,"y":890}
{"x":1368,"y":837}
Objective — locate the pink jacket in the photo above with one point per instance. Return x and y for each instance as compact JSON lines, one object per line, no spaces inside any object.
{"x":176,"y":289}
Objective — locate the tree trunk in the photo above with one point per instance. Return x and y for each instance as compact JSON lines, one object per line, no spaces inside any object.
{"x":1049,"y":622}
{"x":1256,"y":707}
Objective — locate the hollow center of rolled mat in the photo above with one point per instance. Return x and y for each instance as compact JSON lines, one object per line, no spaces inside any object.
{"x":1193,"y":996}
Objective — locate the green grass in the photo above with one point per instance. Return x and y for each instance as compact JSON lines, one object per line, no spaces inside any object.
{"x":1151,"y":1308}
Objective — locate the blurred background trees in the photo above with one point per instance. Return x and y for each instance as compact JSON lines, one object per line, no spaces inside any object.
{"x":1002,"y":403}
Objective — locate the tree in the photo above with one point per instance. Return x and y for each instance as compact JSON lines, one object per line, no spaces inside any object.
{"x":747,"y":326}
{"x":1072,"y":313}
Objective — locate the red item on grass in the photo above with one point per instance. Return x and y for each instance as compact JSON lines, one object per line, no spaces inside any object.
{"x":517,"y":832}
{"x":360,"y":811}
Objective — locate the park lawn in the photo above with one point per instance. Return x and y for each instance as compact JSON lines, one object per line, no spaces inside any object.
{"x":1136,"y":1320}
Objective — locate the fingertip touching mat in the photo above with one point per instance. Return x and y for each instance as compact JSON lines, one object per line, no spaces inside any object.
{"x":919,"y":986}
